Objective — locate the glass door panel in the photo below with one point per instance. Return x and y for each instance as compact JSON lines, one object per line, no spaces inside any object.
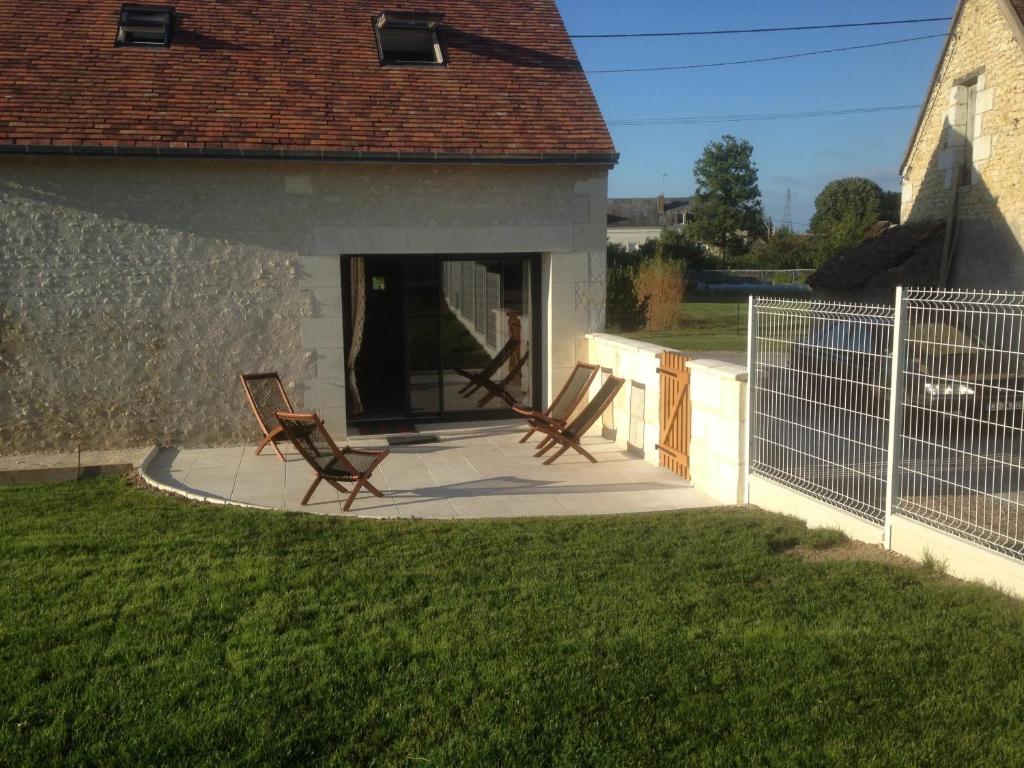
{"x":485,"y":320}
{"x":422,"y":334}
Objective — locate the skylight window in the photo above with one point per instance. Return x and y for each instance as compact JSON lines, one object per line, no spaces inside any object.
{"x":403,"y":39}
{"x":145,"y":25}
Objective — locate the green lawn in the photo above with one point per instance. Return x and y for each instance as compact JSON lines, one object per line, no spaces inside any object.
{"x":707,"y":324}
{"x":139,"y":629}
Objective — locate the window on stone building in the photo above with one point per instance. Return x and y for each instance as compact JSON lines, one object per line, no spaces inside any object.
{"x":971,"y":103}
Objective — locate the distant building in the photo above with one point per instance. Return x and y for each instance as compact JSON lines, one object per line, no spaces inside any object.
{"x":632,"y":221}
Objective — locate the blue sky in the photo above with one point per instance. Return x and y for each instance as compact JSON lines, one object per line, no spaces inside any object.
{"x":802,"y":155}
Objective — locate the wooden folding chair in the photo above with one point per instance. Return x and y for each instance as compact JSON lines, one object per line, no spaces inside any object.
{"x":565,"y":402}
{"x":480,"y":379}
{"x":500,"y":388}
{"x":332,"y":465}
{"x":571,"y":435}
{"x":266,"y":396}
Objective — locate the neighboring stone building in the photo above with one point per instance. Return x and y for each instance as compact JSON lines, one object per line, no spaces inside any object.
{"x":964,"y":166}
{"x":248,"y":194}
{"x":632,"y":221}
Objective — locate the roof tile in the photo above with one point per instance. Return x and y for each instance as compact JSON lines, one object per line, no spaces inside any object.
{"x":298,"y":74}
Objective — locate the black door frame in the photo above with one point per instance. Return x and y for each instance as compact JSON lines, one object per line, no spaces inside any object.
{"x":536,"y":368}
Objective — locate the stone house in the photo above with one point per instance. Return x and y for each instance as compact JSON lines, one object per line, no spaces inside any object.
{"x":963,"y":172}
{"x":632,"y":221}
{"x":363,"y":198}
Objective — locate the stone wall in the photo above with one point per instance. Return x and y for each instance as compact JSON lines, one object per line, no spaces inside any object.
{"x":133,"y":291}
{"x":985,"y":47}
{"x":718,"y":439}
{"x":633,"y":420}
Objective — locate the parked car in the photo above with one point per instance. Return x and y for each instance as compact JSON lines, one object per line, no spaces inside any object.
{"x":950,"y":370}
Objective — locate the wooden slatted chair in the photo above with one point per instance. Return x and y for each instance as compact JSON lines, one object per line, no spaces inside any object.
{"x":333,"y":465}
{"x":267,"y":396}
{"x":565,"y":402}
{"x":479,"y":379}
{"x":571,"y":435}
{"x":500,"y":388}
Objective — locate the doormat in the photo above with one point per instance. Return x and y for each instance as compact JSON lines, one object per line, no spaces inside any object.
{"x":385,"y":427}
{"x":413,"y":439}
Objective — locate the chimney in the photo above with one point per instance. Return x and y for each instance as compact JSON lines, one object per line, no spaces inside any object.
{"x":661,"y":203}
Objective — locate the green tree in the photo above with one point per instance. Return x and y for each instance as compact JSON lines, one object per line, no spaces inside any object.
{"x":784,"y":250}
{"x":844,"y":211}
{"x":625,"y":310}
{"x":890,"y":207}
{"x":852,"y":200}
{"x":727,"y":209}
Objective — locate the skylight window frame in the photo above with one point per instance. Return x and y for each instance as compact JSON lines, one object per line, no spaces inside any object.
{"x":411,"y":22}
{"x":123,"y":38}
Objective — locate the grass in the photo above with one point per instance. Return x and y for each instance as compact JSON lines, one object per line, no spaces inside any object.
{"x":707,"y":324}
{"x":140,"y":629}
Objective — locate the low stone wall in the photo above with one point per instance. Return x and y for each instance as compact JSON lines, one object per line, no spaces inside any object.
{"x":776,"y":497}
{"x":718,"y":454}
{"x":632,"y":421}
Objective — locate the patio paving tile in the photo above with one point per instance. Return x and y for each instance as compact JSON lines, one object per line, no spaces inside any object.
{"x":218,"y":458}
{"x":174,"y":460}
{"x":474,"y":471}
{"x":213,"y":482}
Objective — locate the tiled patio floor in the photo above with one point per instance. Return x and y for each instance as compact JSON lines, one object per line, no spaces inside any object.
{"x":474,"y":471}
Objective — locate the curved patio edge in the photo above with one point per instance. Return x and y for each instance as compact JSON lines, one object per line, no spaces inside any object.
{"x":143,"y":470}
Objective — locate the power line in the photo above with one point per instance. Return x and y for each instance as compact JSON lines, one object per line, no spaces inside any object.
{"x":769,"y":58}
{"x":757,"y":30}
{"x":700,"y":119}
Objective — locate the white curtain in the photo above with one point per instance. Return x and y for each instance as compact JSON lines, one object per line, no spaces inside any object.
{"x":357,"y":270}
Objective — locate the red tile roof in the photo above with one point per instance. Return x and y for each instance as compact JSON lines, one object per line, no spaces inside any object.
{"x":297,"y":78}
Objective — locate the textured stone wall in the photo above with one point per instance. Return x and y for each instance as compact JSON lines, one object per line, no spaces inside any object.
{"x":132,"y":292}
{"x":991,"y":208}
{"x":132,"y":298}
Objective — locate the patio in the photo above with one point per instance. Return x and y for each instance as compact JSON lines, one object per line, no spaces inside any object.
{"x":472,"y":471}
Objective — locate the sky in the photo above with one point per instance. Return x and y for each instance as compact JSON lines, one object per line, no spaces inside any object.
{"x":801,"y":155}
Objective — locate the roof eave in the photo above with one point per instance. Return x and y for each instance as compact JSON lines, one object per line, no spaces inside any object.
{"x":607,"y":159}
{"x":931,"y":86}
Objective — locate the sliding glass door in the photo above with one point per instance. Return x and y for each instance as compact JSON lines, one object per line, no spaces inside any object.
{"x":468,"y":341}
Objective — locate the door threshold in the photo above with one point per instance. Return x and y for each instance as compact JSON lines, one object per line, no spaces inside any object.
{"x":382,"y":428}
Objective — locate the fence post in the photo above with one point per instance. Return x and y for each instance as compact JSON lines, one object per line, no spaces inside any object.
{"x":751,"y":360}
{"x":897,"y":380}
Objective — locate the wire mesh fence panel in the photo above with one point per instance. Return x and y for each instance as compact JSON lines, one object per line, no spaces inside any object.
{"x":963,"y":415}
{"x":820,"y":397}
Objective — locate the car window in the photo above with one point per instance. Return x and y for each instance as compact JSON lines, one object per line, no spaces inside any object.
{"x":940,"y":333}
{"x":859,"y":340}
{"x":833,"y":336}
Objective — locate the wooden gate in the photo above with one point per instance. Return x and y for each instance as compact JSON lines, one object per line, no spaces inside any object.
{"x":674,"y":414}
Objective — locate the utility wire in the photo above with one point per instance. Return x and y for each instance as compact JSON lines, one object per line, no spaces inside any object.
{"x":700,"y":119}
{"x":769,"y":58}
{"x":756,"y":30}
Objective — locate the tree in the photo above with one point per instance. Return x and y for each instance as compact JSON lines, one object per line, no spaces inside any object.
{"x":783,"y":250}
{"x":727,"y":210}
{"x":853,"y":199}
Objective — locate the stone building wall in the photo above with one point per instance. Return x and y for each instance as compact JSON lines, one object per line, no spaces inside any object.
{"x":133,"y":291}
{"x":985,"y":46}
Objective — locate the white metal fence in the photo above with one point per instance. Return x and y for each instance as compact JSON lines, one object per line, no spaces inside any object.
{"x":913,"y":410}
{"x":960,"y":398}
{"x":820,"y":391}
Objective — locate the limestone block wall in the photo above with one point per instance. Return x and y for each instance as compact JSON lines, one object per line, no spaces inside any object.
{"x":987,"y":48}
{"x":718,"y":444}
{"x":633,"y":420}
{"x":133,"y":291}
